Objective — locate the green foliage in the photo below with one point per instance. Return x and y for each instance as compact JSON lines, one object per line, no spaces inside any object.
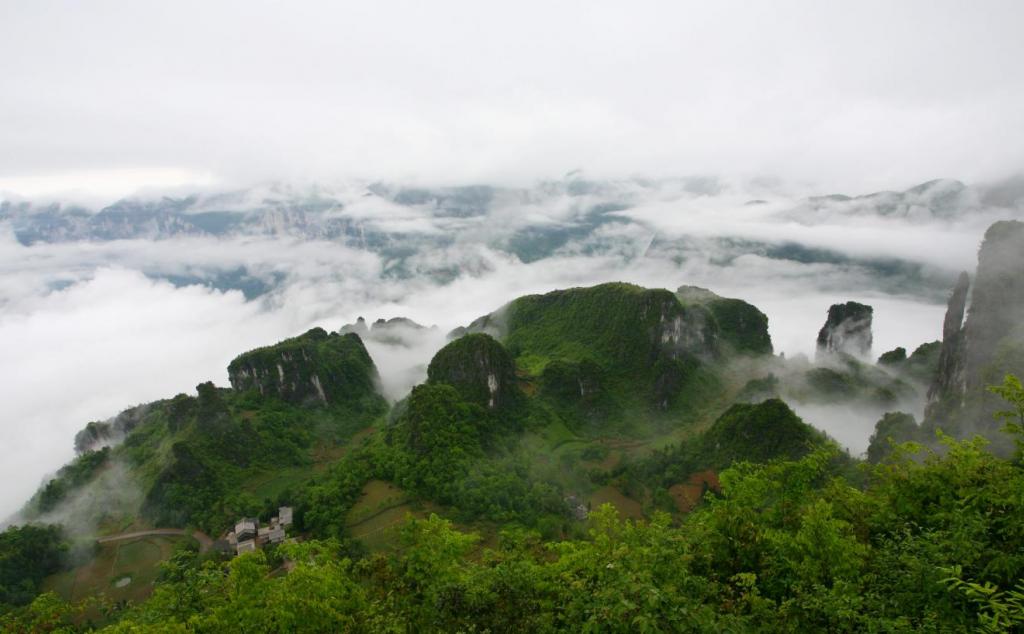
{"x":314,"y":368}
{"x":922,"y":541}
{"x":742,"y":326}
{"x":923,"y":363}
{"x":28,"y":554}
{"x":1012,"y":392}
{"x":480,"y":370}
{"x":612,"y":324}
{"x":750,"y":432}
{"x":921,"y":366}
{"x":69,"y":478}
{"x":893,"y":428}
{"x":435,"y":439}
{"x":208,"y":447}
{"x":438,"y":447}
{"x":933,"y":542}
{"x":998,"y":610}
{"x":756,"y":390}
{"x":848,"y":379}
{"x":757,"y":433}
{"x":893,"y":357}
{"x":639,"y":349}
{"x":832,"y":384}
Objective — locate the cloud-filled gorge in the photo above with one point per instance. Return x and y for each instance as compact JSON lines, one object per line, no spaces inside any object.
{"x":103,"y":308}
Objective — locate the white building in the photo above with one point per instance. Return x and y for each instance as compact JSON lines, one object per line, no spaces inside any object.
{"x":245,"y":529}
{"x":248,"y":546}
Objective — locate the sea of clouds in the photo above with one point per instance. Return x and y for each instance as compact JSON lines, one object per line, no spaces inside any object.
{"x":88,"y":328}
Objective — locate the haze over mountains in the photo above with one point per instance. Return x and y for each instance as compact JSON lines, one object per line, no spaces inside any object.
{"x":193,"y":278}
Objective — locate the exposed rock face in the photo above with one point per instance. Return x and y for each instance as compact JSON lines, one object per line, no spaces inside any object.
{"x":691,"y":330}
{"x":572,"y":382}
{"x":921,"y":366}
{"x":995,"y":324}
{"x":110,"y":432}
{"x":646,"y":344}
{"x":479,"y":368}
{"x":947,"y":390}
{"x":313,"y":368}
{"x":397,"y":331}
{"x":740,"y":325}
{"x":360,"y":328}
{"x":492,"y":324}
{"x":847,"y":330}
{"x":978,"y":352}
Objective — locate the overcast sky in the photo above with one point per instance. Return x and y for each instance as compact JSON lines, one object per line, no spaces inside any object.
{"x":853,"y":96}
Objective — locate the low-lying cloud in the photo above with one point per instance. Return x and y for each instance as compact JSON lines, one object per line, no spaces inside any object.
{"x":91,"y":327}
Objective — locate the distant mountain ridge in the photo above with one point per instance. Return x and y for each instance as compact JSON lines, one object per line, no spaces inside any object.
{"x":320,"y":213}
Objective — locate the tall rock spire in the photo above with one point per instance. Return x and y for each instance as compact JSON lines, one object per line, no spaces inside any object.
{"x":946,"y":390}
{"x":847,"y":330}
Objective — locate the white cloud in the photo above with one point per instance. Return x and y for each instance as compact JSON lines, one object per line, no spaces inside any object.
{"x":842,"y":96}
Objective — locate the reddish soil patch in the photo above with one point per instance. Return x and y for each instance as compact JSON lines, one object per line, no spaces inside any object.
{"x":325,"y":455}
{"x":628,"y":508}
{"x":688,"y":494}
{"x":610,"y":461}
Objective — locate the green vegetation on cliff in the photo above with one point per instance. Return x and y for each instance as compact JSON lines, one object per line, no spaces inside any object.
{"x":930,"y":543}
{"x":316,"y":367}
{"x":745,"y":518}
{"x":27,"y":554}
{"x":480,"y":369}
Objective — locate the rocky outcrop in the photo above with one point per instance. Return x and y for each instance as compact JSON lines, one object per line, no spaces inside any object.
{"x":397,"y":331}
{"x":648,"y":344}
{"x":314,"y":368}
{"x":995,"y":324}
{"x":947,"y":389}
{"x":978,"y":352}
{"x":359,"y":328}
{"x":99,"y":434}
{"x":921,"y":366}
{"x":622,"y":325}
{"x":740,"y":325}
{"x":492,"y":324}
{"x":847,"y":330}
{"x":479,"y":368}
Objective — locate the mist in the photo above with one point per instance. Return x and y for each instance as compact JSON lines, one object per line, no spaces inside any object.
{"x":90,"y":327}
{"x":184,"y":182}
{"x":112,"y":97}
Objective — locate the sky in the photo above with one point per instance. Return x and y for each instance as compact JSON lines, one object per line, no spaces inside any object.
{"x":103,"y":97}
{"x":778,"y":99}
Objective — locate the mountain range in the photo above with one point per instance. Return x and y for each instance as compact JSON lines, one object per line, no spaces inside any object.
{"x":531,"y":417}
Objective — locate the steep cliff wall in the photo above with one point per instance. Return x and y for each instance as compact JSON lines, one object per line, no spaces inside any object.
{"x":978,"y":352}
{"x":847,"y":330}
{"x":479,"y":368}
{"x":313,"y":368}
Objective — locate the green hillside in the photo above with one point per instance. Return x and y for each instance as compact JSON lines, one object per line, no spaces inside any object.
{"x":610,"y":458}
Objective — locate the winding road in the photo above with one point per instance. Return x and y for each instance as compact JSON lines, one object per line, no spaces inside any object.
{"x":204,"y":540}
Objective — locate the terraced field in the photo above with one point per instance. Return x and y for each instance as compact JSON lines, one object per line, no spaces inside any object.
{"x":121,"y":571}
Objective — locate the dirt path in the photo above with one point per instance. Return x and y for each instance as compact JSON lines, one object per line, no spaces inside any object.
{"x":377,"y":514}
{"x":204,"y":540}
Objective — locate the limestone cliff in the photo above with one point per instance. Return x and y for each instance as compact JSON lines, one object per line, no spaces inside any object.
{"x":479,"y":368}
{"x":314,"y":368}
{"x":995,"y":323}
{"x":978,"y":352}
{"x":947,"y":390}
{"x":740,"y":325}
{"x":847,"y":330}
